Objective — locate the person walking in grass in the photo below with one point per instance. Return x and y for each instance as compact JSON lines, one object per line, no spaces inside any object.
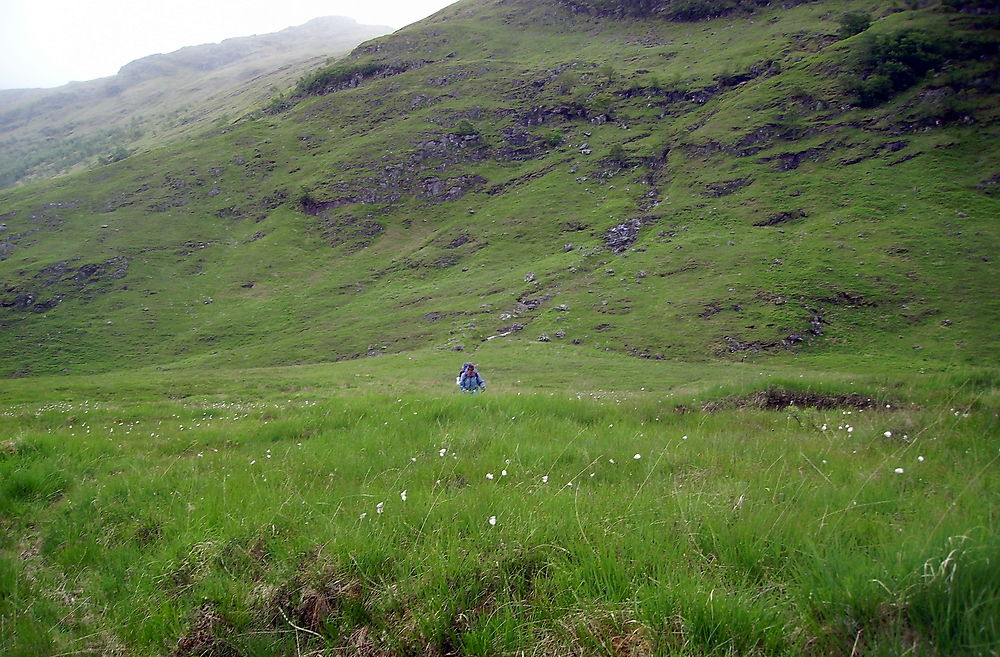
{"x":469,"y":379}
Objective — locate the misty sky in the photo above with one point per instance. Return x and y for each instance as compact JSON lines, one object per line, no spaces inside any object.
{"x":46,"y":43}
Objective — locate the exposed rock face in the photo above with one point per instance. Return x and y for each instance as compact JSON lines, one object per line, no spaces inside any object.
{"x":439,"y":190}
{"x":458,"y":241}
{"x":789,"y":161}
{"x":621,"y":236}
{"x":726,"y":187}
{"x":780,"y":218}
{"x":82,"y":280}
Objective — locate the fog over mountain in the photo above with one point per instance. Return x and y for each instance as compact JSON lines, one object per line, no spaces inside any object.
{"x":44,"y":132}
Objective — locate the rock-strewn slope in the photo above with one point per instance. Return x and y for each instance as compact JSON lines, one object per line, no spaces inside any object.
{"x":757,"y":185}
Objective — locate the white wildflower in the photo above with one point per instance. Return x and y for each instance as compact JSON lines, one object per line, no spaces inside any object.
{"x":898,"y":470}
{"x":402,"y":495}
{"x":887,"y":434}
{"x":489,"y":475}
{"x":920,"y":459}
{"x":492,"y":520}
{"x":380,"y":507}
{"x":545,"y":479}
{"x":637,"y":457}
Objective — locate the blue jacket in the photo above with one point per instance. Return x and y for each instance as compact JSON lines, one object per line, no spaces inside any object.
{"x":471,"y":382}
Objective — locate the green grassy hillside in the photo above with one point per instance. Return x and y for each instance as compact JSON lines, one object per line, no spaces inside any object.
{"x":665,"y":189}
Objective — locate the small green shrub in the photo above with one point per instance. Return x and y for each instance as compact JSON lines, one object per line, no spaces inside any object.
{"x":465,"y":128}
{"x":617,"y":154}
{"x":601,"y":104}
{"x":567,"y":81}
{"x":853,"y":22}
{"x":117,"y":155}
{"x":890,"y":63}
{"x":332,"y":76}
{"x":553,"y":138}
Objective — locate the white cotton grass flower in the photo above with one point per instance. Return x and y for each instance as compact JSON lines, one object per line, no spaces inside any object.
{"x":379,"y":508}
{"x":637,"y":457}
{"x":503,"y":473}
{"x":442,"y":451}
{"x":402,"y":495}
{"x":489,"y":475}
{"x":898,"y":470}
{"x":545,"y":479}
{"x":363,"y":516}
{"x":887,"y":434}
{"x":611,"y":461}
{"x":684,"y":437}
{"x":920,"y":459}
{"x":492,"y":521}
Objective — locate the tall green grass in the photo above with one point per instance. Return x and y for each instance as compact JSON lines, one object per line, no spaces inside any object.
{"x":536,"y":523}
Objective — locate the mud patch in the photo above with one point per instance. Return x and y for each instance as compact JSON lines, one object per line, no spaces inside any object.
{"x":202,"y":637}
{"x":774,"y":399}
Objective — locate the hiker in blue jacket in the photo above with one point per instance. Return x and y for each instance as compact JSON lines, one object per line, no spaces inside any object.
{"x":469,"y":379}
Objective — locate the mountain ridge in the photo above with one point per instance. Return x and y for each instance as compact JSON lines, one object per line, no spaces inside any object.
{"x":45,"y":132}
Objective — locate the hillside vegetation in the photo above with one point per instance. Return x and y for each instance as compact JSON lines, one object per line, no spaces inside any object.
{"x":659,"y":188}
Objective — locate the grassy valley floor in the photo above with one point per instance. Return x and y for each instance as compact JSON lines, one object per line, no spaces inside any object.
{"x":593,"y":505}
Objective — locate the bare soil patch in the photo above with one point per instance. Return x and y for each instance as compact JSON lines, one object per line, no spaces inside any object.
{"x":779,"y":398}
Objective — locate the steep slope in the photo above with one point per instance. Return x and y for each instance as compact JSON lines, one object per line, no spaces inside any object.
{"x":44,"y":132}
{"x":748,"y":186}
